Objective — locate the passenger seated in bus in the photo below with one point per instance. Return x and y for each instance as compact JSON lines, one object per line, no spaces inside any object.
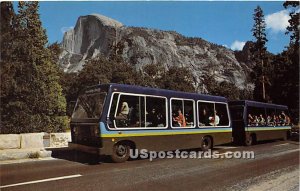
{"x":261,"y":120}
{"x":250,"y":119}
{"x":161,"y":120}
{"x":133,"y":116}
{"x":214,"y":120}
{"x":180,"y":119}
{"x":152,"y":118}
{"x":204,"y":119}
{"x":270,"y":121}
{"x":276,"y":120}
{"x":281,"y":120}
{"x":255,"y":121}
{"x":189,"y":118}
{"x":287,"y":120}
{"x":123,"y":114}
{"x":174,"y":121}
{"x":282,"y":117}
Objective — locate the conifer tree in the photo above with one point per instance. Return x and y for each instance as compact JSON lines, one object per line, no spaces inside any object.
{"x":286,"y":82}
{"x":35,"y":102}
{"x":293,"y":28}
{"x":7,"y":68}
{"x":259,"y":51}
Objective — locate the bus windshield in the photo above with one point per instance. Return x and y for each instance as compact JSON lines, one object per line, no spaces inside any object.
{"x":89,"y":106}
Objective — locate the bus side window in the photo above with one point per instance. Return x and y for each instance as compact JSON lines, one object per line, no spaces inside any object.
{"x":222,"y":113}
{"x":189,"y":113}
{"x":183,"y":113}
{"x":134,"y":113}
{"x":178,"y":119}
{"x":155,"y":112}
{"x":206,"y":113}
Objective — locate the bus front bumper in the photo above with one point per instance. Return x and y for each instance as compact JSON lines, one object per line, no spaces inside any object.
{"x":84,"y":148}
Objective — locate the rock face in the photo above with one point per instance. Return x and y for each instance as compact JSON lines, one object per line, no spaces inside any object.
{"x":96,"y":34}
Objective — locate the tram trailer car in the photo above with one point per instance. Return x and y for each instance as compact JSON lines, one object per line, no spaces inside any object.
{"x":256,"y":121}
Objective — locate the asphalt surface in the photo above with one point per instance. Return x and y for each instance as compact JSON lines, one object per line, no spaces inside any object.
{"x":275,"y":167}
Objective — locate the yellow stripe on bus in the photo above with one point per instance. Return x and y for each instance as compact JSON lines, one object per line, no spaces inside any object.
{"x":162,"y":133}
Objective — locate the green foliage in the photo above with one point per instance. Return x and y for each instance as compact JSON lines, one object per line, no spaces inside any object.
{"x":259,"y":30}
{"x":152,"y":75}
{"x":225,"y":89}
{"x":293,"y":28}
{"x":285,"y":89}
{"x":262,"y":69}
{"x":33,"y":100}
{"x":178,"y":78}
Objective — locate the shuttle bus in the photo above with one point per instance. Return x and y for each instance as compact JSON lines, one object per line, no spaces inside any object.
{"x":111,"y":119}
{"x":255,"y":121}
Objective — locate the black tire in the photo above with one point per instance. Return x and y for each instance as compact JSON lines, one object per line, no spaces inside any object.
{"x":206,"y":143}
{"x":250,"y":140}
{"x":120,"y":152}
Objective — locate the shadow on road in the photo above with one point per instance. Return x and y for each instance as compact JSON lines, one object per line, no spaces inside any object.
{"x":90,"y":159}
{"x":77,"y":156}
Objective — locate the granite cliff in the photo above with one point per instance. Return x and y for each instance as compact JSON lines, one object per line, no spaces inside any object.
{"x":96,"y":34}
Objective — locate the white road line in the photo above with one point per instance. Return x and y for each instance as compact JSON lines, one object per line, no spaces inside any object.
{"x":281,"y":144}
{"x":224,"y":147}
{"x":43,"y":180}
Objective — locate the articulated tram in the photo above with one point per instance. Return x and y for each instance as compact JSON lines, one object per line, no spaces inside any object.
{"x":111,"y":119}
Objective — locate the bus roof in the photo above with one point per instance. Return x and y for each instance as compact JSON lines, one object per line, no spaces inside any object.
{"x":257,"y":104}
{"x":158,"y":92}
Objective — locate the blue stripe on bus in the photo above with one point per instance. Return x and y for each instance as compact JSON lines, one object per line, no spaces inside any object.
{"x":154,"y":132}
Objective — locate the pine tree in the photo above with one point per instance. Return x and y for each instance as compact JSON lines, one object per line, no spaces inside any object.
{"x":286,"y":85}
{"x":259,"y":50}
{"x":293,"y":28}
{"x":7,"y":68}
{"x":35,"y":102}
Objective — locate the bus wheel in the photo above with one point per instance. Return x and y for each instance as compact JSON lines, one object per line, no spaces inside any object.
{"x":206,"y":143}
{"x":250,"y":140}
{"x":120,"y":152}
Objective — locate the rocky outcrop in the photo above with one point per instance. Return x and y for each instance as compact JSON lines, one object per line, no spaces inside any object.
{"x":97,"y":34}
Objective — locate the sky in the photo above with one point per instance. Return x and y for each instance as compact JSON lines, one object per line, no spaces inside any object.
{"x":224,"y":23}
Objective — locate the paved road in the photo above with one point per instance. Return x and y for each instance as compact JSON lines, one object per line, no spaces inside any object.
{"x":275,"y":167}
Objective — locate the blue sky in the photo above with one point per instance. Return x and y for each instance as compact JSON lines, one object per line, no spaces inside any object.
{"x":224,"y":23}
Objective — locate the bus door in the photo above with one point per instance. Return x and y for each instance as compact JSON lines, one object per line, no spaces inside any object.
{"x":238,"y":123}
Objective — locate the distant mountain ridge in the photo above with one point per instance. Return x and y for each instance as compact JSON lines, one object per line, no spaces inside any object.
{"x":96,"y":34}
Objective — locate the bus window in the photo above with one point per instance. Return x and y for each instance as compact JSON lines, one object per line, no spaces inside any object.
{"x":256,"y":116}
{"x":221,"y":115}
{"x":130,"y":111}
{"x":206,"y":112}
{"x":89,"y":106}
{"x":189,"y":113}
{"x":178,"y":119}
{"x":182,"y":113}
{"x":155,"y":112}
